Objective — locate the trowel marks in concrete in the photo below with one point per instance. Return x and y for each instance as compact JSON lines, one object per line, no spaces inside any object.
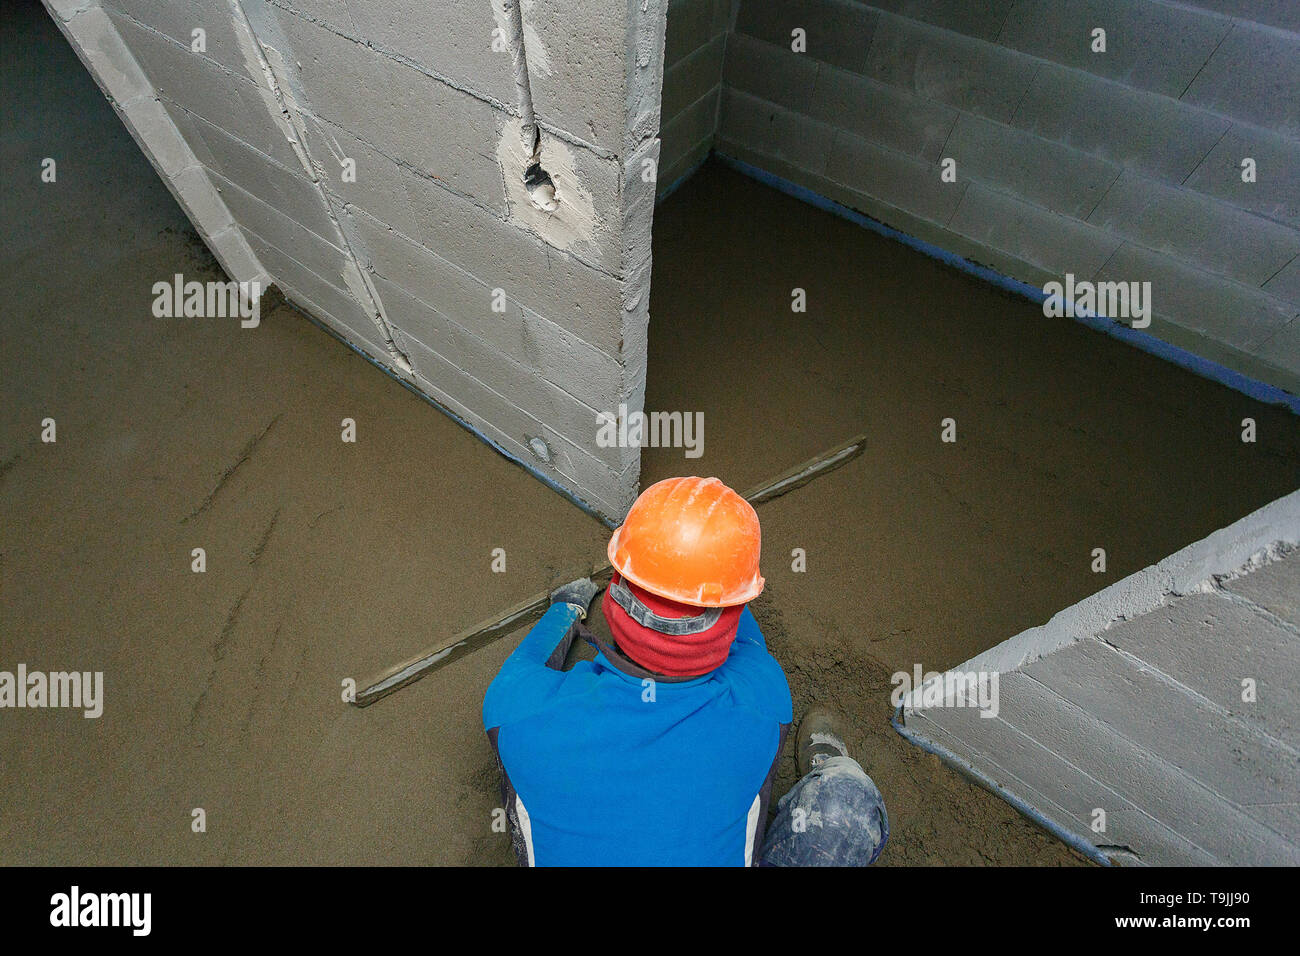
{"x":419,"y":221}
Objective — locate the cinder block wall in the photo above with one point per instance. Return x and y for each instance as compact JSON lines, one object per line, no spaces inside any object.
{"x":1133,"y":701}
{"x":368,"y":157}
{"x":693,"y":57}
{"x":1122,"y":165}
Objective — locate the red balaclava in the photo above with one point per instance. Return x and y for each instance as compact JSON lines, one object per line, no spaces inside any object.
{"x":686,"y":655}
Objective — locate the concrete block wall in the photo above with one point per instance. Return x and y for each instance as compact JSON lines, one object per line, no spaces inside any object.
{"x":1167,"y":701}
{"x":692,"y":91}
{"x":369,"y":157}
{"x":1123,"y":165}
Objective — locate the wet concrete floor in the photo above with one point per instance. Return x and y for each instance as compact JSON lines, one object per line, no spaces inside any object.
{"x":327,"y":560}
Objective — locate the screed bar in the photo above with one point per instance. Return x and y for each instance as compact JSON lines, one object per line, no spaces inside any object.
{"x":530,"y":610}
{"x":814,"y":467}
{"x":524,"y":614}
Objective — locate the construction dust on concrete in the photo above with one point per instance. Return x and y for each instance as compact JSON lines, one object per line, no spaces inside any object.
{"x":326,"y":560}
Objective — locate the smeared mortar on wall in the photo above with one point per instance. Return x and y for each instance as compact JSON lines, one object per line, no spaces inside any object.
{"x":510,"y":23}
{"x":547,"y":198}
{"x":570,"y":222}
{"x":267,"y":68}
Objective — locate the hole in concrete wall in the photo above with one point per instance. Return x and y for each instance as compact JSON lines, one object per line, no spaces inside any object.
{"x":540,"y":186}
{"x":538,"y":182}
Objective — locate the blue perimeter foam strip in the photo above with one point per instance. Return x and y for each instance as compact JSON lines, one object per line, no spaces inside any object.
{"x":1260,"y":391}
{"x":677,"y":183}
{"x":495,"y":446}
{"x":966,"y":768}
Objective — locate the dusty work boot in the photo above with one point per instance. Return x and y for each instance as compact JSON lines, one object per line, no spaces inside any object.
{"x":835,"y":814}
{"x":818,"y":739}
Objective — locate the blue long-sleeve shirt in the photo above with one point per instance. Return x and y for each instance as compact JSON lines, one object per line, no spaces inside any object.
{"x":609,"y":765}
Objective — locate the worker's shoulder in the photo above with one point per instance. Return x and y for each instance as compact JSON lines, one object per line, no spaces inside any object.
{"x":758,"y":681}
{"x":517,"y":694}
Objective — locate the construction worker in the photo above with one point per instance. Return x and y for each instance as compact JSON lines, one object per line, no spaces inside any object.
{"x":662,"y":750}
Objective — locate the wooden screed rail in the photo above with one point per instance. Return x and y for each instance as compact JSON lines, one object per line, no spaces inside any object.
{"x":529,"y":611}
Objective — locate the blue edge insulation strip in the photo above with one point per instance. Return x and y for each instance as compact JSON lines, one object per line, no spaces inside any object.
{"x":1259,"y":391}
{"x":1269,"y":394}
{"x":967,"y":769}
{"x":1148,"y":343}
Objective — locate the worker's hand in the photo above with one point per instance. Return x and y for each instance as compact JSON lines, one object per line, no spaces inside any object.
{"x":579,"y":593}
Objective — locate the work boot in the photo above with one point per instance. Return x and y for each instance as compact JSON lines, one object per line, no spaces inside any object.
{"x":819,"y":739}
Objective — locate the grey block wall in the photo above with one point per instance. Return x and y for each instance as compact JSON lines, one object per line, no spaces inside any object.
{"x":368,"y":157}
{"x":1122,"y":165}
{"x":692,"y":93}
{"x":1168,"y":701}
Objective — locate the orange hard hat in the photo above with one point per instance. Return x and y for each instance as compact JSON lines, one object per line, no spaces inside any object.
{"x":691,"y":540}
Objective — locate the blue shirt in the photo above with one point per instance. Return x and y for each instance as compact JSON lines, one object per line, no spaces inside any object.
{"x":610,"y":766}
